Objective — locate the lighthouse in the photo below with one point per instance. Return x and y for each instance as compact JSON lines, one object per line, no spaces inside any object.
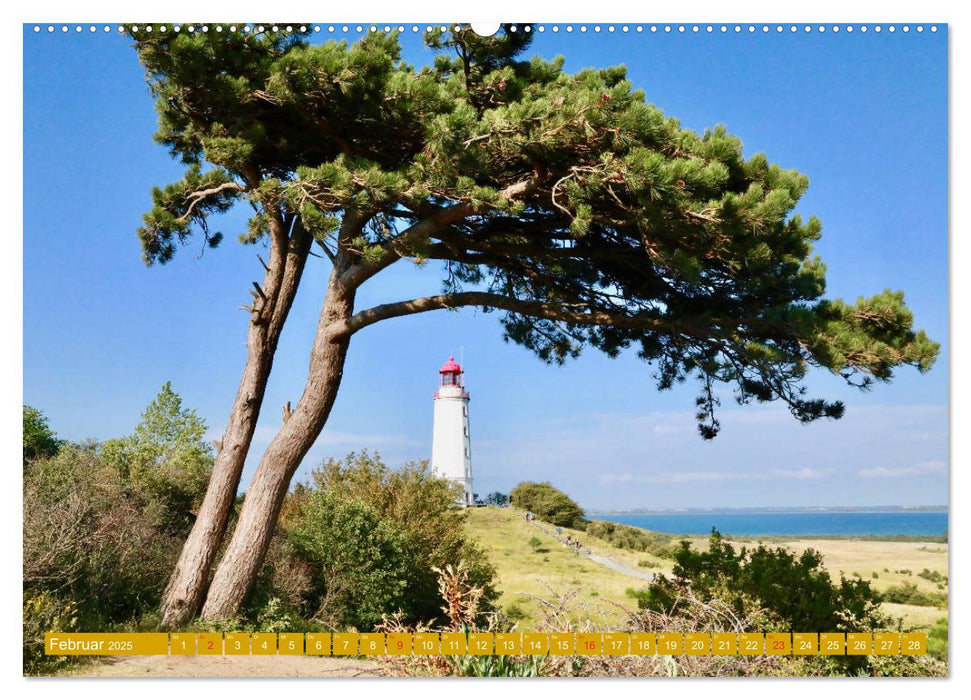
{"x":451,"y":447}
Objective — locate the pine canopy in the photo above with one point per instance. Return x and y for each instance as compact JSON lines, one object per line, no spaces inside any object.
{"x":567,"y":202}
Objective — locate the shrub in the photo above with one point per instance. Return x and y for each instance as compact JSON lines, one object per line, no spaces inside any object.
{"x":641,"y":595}
{"x":795,"y":590}
{"x":39,"y":439}
{"x":937,"y":640}
{"x":535,"y":542}
{"x":632,"y":538}
{"x":165,"y":463}
{"x":515,"y":613}
{"x":548,"y":503}
{"x":365,"y":540}
{"x":362,"y":563}
{"x":43,"y":613}
{"x":908,"y":593}
{"x":102,"y":527}
{"x":86,"y":540}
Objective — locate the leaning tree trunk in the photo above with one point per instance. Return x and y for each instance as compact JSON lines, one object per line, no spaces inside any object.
{"x":187,"y":585}
{"x":251,"y":538}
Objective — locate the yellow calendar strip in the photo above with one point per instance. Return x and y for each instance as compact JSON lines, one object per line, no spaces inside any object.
{"x":400,"y":644}
{"x":616,"y":643}
{"x":724,"y":644}
{"x":454,"y":644}
{"x":209,"y":644}
{"x":109,"y":644}
{"x":428,"y":644}
{"x":805,"y":644}
{"x":508,"y":643}
{"x":562,"y":643}
{"x":182,"y":644}
{"x":643,"y":644}
{"x":487,"y":644}
{"x":290,"y":644}
{"x":536,"y":644}
{"x":318,"y":643}
{"x":481,"y":643}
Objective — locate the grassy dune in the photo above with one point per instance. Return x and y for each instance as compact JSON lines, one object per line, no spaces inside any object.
{"x":527,"y":574}
{"x":550,"y":570}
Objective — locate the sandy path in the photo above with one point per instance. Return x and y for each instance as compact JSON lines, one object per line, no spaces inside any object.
{"x":620,"y":568}
{"x":599,"y":558}
{"x":233,"y":666}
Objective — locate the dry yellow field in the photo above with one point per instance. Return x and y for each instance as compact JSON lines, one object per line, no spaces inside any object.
{"x":886,"y":564}
{"x":885,"y":559}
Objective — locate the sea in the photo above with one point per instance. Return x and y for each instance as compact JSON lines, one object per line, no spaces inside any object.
{"x":802,"y":523}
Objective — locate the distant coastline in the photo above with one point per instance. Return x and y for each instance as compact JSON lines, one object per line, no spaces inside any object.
{"x":767,"y":509}
{"x":894,"y":522}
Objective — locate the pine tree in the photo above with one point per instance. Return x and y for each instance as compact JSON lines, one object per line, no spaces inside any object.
{"x":566,"y":202}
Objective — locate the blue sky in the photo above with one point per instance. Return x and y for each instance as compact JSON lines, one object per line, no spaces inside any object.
{"x":865,"y":116}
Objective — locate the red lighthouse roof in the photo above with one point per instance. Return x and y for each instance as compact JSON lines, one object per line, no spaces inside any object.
{"x":451,"y":367}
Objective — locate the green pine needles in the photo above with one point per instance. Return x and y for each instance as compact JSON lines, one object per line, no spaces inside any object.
{"x":566,"y":201}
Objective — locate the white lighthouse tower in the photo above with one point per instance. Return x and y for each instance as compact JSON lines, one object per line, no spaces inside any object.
{"x":451,"y":448}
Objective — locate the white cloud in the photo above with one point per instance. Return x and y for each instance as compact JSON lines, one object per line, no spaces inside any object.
{"x":806,"y":473}
{"x":674,"y":477}
{"x":606,"y":479}
{"x":924,"y":468}
{"x":696,"y":476}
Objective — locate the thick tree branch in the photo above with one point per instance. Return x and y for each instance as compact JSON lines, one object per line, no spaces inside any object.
{"x":536,"y":309}
{"x":441,"y":218}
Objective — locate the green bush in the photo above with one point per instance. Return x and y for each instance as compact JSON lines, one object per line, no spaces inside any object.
{"x":937,"y":640}
{"x":641,"y":595}
{"x":933,"y":576}
{"x":515,"y":613}
{"x":165,"y":463}
{"x":794,"y":590}
{"x":362,"y":540}
{"x":548,"y":503}
{"x":363,"y":563}
{"x":87,"y":540}
{"x":908,"y":593}
{"x":43,"y":613}
{"x":632,"y":538}
{"x":102,"y":528}
{"x":39,"y":439}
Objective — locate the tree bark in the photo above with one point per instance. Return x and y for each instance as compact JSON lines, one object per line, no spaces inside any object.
{"x":188,"y":583}
{"x":257,"y":521}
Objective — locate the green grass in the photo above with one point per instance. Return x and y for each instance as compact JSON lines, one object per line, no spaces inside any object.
{"x":526,"y":573}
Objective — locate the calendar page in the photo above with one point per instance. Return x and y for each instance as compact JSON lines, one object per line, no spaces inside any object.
{"x":460,"y":350}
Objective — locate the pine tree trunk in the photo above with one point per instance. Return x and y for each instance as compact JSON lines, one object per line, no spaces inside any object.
{"x":251,"y":538}
{"x":188,"y":583}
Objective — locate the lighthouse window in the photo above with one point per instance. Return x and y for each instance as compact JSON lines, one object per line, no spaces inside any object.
{"x":466,"y":431}
{"x":465,"y":410}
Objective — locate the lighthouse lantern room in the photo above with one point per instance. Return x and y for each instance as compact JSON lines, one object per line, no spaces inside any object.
{"x":451,"y":447}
